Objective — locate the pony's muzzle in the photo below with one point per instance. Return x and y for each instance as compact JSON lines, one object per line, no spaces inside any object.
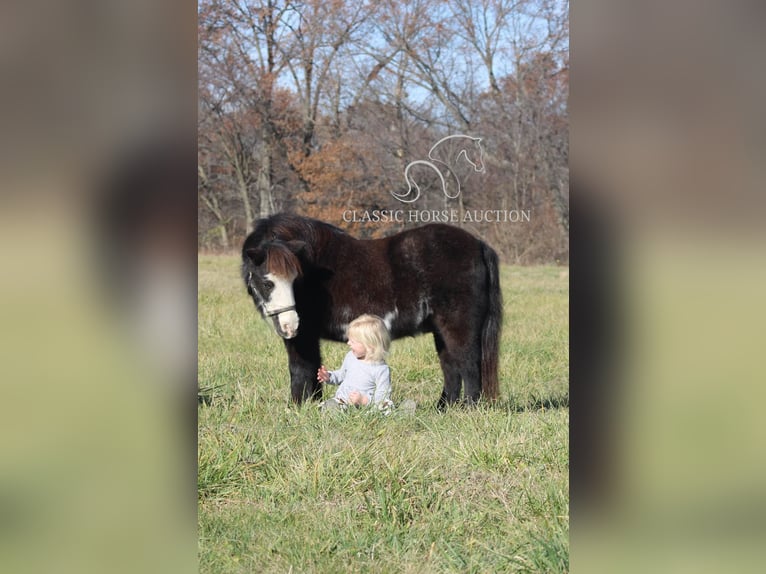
{"x":286,"y":324}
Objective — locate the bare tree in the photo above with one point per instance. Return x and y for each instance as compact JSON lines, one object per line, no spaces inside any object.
{"x":239,"y":40}
{"x":321,"y":105}
{"x":318,"y":30}
{"x":211,"y":200}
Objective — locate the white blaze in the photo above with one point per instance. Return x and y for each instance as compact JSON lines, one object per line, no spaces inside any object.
{"x":281,"y":298}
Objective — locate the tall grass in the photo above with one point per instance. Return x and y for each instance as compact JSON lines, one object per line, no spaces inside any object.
{"x":287,"y":489}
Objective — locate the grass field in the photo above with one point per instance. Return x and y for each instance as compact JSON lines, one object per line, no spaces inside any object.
{"x":286,"y":489}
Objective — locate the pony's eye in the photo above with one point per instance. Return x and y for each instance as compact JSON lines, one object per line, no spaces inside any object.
{"x":268,"y":285}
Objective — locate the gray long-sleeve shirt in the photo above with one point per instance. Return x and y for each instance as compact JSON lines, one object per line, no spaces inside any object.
{"x":370,"y":379}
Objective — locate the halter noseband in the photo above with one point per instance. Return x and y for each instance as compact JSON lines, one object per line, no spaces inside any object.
{"x":278,"y":311}
{"x":275,"y":311}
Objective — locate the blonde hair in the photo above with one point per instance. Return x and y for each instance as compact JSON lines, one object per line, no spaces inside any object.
{"x":371,"y":331}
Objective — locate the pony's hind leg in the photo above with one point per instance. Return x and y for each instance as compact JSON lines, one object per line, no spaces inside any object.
{"x":471,"y":371}
{"x":451,"y":391}
{"x":460,"y":358}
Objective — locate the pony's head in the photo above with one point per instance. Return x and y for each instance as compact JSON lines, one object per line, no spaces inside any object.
{"x":269,"y":270}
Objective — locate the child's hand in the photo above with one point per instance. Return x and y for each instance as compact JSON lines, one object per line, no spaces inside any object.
{"x":323,"y":375}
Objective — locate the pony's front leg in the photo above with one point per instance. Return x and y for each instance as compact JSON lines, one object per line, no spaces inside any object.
{"x":304,"y":361}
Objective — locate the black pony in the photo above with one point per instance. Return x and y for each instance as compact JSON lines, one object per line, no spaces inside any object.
{"x":312,"y":279}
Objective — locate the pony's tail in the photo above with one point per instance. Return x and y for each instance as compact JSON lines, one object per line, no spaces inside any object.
{"x":490,"y":331}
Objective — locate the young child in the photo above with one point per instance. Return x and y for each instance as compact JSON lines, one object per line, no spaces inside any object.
{"x":364,"y":376}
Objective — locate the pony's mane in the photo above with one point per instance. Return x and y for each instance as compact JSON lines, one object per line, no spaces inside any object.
{"x":276,"y":240}
{"x":287,"y":227}
{"x":281,"y":261}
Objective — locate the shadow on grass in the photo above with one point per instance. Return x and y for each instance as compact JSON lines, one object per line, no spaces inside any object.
{"x":559,"y":401}
{"x":206,"y":397}
{"x":537,"y":404}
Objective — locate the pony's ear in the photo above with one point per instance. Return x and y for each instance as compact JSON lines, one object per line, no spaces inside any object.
{"x":256,"y":255}
{"x":296,"y":246}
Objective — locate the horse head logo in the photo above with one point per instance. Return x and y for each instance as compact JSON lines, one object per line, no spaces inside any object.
{"x":443,"y":157}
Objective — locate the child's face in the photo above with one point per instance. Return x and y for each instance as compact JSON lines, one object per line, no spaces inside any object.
{"x":357,"y":348}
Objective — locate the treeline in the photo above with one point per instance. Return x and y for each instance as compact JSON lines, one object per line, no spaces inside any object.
{"x":319,"y":106}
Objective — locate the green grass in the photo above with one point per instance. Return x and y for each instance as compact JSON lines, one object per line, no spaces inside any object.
{"x":286,"y":489}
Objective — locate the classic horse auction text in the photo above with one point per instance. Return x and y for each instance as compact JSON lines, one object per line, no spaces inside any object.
{"x":437,"y":216}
